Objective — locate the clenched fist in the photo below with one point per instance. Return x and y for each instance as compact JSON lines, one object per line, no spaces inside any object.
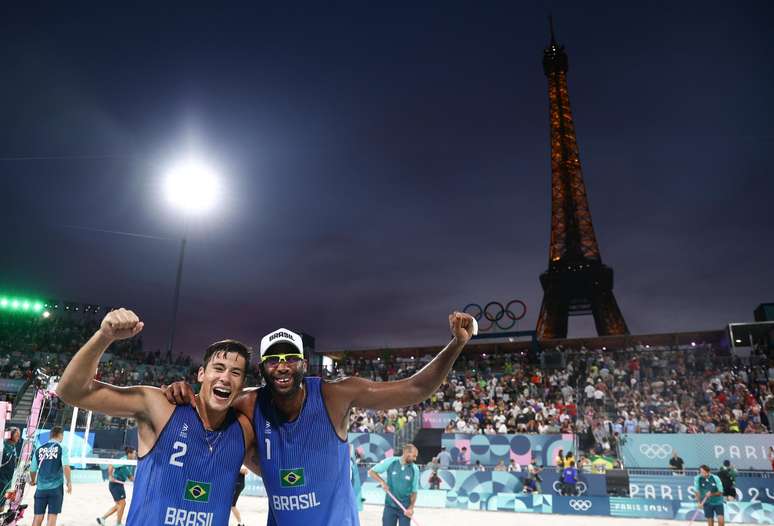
{"x":463,"y":326}
{"x":121,"y":324}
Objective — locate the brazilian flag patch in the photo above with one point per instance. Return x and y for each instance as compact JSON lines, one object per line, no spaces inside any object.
{"x":197,"y":491}
{"x":292,"y":478}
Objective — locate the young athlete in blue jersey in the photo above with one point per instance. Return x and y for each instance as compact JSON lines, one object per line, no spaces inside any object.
{"x":189,"y":456}
{"x":301,"y":424}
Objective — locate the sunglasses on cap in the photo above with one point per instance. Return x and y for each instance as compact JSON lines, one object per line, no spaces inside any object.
{"x":275,"y":359}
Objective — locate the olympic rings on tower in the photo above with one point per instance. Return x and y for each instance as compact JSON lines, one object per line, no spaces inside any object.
{"x":494,"y":312}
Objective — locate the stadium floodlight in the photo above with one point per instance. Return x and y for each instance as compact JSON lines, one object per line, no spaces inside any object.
{"x":46,"y":314}
{"x":20,"y":305}
{"x":192,"y":185}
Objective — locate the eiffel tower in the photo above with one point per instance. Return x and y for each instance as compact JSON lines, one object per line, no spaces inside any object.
{"x":576,"y":283}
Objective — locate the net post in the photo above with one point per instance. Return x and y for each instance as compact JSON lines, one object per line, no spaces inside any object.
{"x":72,"y":429}
{"x":84,"y":448}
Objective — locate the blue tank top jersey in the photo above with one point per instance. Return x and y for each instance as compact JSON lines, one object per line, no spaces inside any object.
{"x":305,"y":464}
{"x":181,"y":481}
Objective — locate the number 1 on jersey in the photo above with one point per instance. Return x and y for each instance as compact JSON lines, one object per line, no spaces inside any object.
{"x":268,"y":449}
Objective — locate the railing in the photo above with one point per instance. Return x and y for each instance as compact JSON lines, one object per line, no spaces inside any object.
{"x":765,"y":474}
{"x":407,"y":432}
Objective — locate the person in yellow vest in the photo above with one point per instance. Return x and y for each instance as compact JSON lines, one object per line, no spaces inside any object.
{"x":733,"y":425}
{"x":559,"y":461}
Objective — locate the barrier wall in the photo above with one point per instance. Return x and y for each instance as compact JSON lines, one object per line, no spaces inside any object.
{"x":678,"y":487}
{"x":464,"y":482}
{"x":655,"y":450}
{"x":490,"y":449}
{"x":11,"y":385}
{"x":481,"y":492}
{"x":372,"y":447}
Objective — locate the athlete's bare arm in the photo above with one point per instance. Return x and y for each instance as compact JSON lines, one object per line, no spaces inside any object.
{"x":79,"y":388}
{"x":341,"y":395}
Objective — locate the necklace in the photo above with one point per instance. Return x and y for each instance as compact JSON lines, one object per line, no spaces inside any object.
{"x":211,"y":444}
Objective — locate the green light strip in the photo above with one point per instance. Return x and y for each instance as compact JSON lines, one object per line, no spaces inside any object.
{"x":21,"y":304}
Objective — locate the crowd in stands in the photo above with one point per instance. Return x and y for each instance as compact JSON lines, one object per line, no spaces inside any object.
{"x":31,"y":343}
{"x":599,"y":394}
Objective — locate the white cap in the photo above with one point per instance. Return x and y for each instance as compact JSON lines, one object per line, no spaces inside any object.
{"x":281,"y":336}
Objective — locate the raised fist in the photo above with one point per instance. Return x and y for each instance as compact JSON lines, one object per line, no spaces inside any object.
{"x":121,"y":324}
{"x":463,"y":326}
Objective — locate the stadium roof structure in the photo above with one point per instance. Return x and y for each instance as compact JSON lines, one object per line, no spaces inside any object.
{"x":694,"y":338}
{"x":742,"y":334}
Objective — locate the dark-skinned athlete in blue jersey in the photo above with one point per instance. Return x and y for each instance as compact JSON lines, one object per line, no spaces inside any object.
{"x":301,"y":424}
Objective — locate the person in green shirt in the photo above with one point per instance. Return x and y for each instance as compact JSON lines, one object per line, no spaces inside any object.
{"x":50,"y":471}
{"x":118,"y":475}
{"x":8,"y":463}
{"x":709,"y":492}
{"x":399,"y":476}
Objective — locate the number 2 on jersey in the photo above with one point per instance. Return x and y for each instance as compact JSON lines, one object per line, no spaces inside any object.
{"x":173,"y":459}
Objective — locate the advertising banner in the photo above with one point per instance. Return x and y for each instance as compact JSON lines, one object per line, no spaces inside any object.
{"x":490,"y":449}
{"x":680,"y":487}
{"x":581,"y":505}
{"x":654,"y":450}
{"x":437,"y":419}
{"x":485,"y":492}
{"x":372,"y":447}
{"x":643,"y":508}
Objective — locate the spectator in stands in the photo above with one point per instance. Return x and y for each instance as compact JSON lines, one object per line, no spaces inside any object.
{"x":464,"y":460}
{"x":444,"y":459}
{"x":584,"y":464}
{"x":501,"y":466}
{"x":559,"y":461}
{"x":676,"y":463}
{"x":514,"y":467}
